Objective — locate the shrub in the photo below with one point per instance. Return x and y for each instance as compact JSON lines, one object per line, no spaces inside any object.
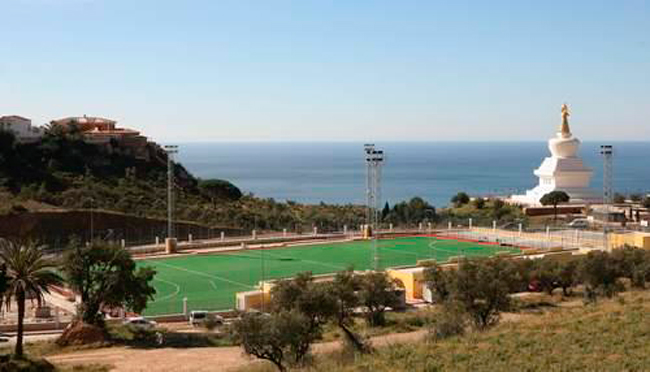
{"x":377,"y":292}
{"x":460,"y":199}
{"x":632,"y":263}
{"x":600,"y":274}
{"x":282,"y":338}
{"x":451,"y":321}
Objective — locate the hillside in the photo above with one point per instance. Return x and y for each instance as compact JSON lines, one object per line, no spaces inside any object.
{"x":63,"y":172}
{"x":612,"y":335}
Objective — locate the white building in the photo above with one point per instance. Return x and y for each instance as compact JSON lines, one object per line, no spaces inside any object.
{"x":21,"y":127}
{"x":563,"y":170}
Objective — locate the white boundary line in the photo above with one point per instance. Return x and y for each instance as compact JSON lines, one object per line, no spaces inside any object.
{"x":169,"y":296}
{"x":207,"y":275}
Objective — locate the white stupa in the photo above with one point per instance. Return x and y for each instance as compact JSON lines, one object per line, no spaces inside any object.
{"x":563,"y":170}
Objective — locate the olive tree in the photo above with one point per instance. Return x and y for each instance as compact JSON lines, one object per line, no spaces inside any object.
{"x":106,"y":276}
{"x":280,"y":338}
{"x":481,"y":288}
{"x":377,"y":293}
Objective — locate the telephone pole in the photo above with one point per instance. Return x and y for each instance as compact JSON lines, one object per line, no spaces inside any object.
{"x":171,"y":150}
{"x":607,"y":151}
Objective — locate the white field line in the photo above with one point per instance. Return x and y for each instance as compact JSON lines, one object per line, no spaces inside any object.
{"x":169,"y":296}
{"x":206,"y":275}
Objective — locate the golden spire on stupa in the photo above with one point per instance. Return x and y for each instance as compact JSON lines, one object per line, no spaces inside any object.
{"x":564,"y":128}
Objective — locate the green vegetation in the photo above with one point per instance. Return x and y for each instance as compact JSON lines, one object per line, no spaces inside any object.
{"x":65,"y":172}
{"x":280,"y":338}
{"x":608,"y":337}
{"x":410,"y":213}
{"x":460,"y":199}
{"x":481,"y":210}
{"x":106,"y":277}
{"x":28,"y":273}
{"x":301,"y":307}
{"x":554,"y":198}
{"x":543,"y":335}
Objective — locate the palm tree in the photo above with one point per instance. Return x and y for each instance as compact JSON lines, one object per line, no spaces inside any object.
{"x":29,"y":272}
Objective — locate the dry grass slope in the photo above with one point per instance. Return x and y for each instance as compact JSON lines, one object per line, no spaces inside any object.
{"x":613,"y":335}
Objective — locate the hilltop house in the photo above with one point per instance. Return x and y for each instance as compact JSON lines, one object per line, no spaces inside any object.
{"x":104,"y":132}
{"x":21,"y":128}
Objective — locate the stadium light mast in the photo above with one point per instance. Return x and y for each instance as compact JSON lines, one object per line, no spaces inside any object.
{"x":607,"y":151}
{"x":374,"y":163}
{"x":171,"y":150}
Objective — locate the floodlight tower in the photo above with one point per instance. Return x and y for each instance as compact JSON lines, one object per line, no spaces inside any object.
{"x":374,"y":162}
{"x":171,"y":150}
{"x":607,"y":151}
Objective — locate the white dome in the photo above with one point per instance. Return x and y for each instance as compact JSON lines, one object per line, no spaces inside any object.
{"x":561,"y":147}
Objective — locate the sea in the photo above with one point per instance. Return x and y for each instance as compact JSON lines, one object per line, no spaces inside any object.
{"x":315,"y":172}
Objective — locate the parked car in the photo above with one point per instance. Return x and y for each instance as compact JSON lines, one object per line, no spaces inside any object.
{"x":200,"y":317}
{"x":140,"y":322}
{"x":579,"y":223}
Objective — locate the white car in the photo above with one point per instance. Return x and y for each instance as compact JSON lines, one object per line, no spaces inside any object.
{"x":198,"y":317}
{"x":140,"y":322}
{"x":579,"y":223}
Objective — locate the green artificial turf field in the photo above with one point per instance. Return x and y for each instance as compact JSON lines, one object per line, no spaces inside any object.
{"x":209,"y":282}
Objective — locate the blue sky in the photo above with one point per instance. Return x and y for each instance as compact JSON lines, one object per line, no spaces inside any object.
{"x":331,"y":70}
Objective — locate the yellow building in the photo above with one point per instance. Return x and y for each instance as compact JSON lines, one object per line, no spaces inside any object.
{"x":634,"y":239}
{"x":413,"y":280}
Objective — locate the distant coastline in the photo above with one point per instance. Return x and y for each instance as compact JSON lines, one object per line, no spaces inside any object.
{"x":333,"y":172}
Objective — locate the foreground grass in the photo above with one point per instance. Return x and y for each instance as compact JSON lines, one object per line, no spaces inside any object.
{"x":613,"y":335}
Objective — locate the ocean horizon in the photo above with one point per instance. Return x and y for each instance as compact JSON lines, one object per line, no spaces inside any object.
{"x":334,"y":172}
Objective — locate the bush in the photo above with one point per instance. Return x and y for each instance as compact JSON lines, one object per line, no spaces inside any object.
{"x":377,"y":292}
{"x":10,"y":364}
{"x":633,"y":264}
{"x":600,"y":274}
{"x":282,"y":338}
{"x":451,"y":321}
{"x":460,"y":199}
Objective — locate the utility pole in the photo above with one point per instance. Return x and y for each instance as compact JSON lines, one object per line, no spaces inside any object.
{"x":607,"y":151}
{"x":171,"y":150}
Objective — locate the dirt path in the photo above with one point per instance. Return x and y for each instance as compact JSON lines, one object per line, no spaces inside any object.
{"x":194,"y":359}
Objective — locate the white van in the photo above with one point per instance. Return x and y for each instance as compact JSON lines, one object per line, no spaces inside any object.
{"x":198,"y":317}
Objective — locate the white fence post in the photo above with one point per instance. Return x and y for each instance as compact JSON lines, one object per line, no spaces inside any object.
{"x":223,"y":236}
